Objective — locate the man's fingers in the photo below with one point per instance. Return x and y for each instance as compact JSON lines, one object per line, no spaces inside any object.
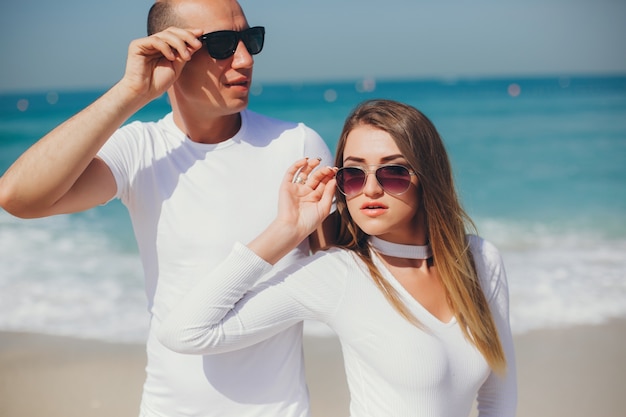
{"x":172,"y":43}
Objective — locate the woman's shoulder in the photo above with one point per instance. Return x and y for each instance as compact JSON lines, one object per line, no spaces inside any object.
{"x":486,"y":256}
{"x":331,"y":264}
{"x":483,"y":248}
{"x":489,"y":264}
{"x":333,"y":257}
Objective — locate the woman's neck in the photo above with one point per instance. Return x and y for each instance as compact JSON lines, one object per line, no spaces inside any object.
{"x":399,"y":250}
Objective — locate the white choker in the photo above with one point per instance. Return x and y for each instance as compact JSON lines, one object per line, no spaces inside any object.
{"x":399,"y":250}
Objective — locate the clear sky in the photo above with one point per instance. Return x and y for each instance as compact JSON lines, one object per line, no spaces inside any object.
{"x":82,"y":44}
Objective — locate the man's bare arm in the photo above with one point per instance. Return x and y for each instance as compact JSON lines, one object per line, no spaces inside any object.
{"x":60,"y":173}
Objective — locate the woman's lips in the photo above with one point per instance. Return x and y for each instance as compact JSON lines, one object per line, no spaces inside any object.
{"x":373,"y":208}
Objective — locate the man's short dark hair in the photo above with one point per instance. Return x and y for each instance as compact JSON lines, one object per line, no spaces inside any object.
{"x":161,"y":16}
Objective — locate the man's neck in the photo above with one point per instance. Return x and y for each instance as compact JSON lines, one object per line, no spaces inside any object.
{"x":209,"y":130}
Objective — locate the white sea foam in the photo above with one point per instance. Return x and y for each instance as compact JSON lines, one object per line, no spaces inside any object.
{"x":560,"y":278}
{"x":60,"y":276}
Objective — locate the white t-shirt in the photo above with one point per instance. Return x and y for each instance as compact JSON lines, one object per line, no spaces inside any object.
{"x":392,"y":367}
{"x":189,"y":203}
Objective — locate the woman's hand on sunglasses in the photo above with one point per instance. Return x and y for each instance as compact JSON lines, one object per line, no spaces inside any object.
{"x":305,"y":200}
{"x":156,"y":61}
{"x":306,"y":196}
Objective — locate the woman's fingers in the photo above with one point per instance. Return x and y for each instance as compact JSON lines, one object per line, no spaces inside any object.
{"x":320,"y":176}
{"x":295,"y":170}
{"x":300,"y":173}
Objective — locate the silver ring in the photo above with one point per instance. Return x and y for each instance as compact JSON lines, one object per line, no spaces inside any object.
{"x":297,"y":178}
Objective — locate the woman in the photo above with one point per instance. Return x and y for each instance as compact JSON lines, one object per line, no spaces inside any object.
{"x":420,"y":306}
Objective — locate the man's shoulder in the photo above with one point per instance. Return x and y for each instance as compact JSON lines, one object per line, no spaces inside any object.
{"x":143,"y":139}
{"x":262,"y":126}
{"x":255,"y":118}
{"x":165,"y":123}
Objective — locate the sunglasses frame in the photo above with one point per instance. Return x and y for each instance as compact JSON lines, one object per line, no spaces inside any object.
{"x":374,"y":169}
{"x":244,"y":36}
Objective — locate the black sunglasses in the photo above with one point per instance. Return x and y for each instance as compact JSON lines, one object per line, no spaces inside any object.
{"x":223,"y":43}
{"x":394,"y":179}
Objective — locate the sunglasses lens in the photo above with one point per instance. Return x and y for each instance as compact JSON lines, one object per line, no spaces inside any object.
{"x":221,"y":45}
{"x":253,"y":38}
{"x":350,"y":180}
{"x":395,"y":179}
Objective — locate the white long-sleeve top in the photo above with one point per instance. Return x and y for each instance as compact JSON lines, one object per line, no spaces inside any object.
{"x":392,"y":367}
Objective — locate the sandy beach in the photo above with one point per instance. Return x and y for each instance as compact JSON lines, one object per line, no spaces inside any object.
{"x":572,"y":372}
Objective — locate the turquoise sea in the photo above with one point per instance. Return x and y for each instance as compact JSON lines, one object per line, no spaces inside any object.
{"x":540,"y":164}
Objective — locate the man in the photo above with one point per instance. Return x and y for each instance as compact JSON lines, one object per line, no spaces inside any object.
{"x":203,"y":177}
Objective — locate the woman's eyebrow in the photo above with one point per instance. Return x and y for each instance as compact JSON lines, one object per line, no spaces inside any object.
{"x":383,"y":159}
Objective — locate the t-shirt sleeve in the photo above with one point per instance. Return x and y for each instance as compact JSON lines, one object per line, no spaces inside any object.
{"x":121,"y":153}
{"x":315,"y":147}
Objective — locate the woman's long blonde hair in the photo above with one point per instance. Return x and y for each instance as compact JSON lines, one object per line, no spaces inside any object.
{"x":447,"y":223}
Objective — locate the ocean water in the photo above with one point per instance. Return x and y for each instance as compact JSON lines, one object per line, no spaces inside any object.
{"x":540,"y":164}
